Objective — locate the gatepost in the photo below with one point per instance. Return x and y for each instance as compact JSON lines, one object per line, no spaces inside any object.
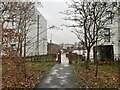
{"x":59,"y":57}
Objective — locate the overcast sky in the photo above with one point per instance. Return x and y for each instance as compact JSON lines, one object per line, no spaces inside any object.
{"x":50,"y":11}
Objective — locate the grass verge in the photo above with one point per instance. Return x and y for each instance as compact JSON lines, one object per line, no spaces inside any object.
{"x":108,"y":76}
{"x":28,"y":77}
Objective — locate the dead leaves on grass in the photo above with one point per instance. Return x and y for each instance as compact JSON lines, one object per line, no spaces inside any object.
{"x":14,"y":77}
{"x":87,"y":79}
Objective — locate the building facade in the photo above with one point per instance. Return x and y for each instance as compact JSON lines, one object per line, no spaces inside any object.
{"x":37,"y":37}
{"x":36,"y":34}
{"x":113,"y":33}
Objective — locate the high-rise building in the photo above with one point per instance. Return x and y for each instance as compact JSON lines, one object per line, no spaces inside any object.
{"x":37,"y":37}
{"x":113,"y":32}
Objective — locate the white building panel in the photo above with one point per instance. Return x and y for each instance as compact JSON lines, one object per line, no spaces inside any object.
{"x":34,"y":46}
{"x":43,"y":35}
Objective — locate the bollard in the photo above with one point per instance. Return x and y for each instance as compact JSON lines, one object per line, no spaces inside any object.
{"x":70,"y":57}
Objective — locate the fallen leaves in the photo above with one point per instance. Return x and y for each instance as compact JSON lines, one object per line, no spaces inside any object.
{"x":14,"y":77}
{"x":106,"y":79}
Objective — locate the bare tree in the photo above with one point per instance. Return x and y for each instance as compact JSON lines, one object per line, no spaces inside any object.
{"x":17,"y":19}
{"x":88,"y":20}
{"x":22,"y":16}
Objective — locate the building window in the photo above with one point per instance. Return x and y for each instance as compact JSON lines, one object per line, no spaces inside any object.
{"x":114,"y":4}
{"x":13,"y":46}
{"x":28,"y":43}
{"x":109,"y":17}
{"x":107,"y":34}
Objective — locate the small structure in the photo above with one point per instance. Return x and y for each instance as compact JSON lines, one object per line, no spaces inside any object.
{"x":104,"y":52}
{"x":55,"y":53}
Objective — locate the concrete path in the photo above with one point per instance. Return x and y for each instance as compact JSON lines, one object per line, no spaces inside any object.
{"x":60,"y":76}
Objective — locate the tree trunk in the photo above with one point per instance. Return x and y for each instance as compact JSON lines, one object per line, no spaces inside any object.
{"x":24,"y":60}
{"x":25,"y":48}
{"x":88,"y":59}
{"x":96,"y":71}
{"x":20,"y":48}
{"x":97,"y":61}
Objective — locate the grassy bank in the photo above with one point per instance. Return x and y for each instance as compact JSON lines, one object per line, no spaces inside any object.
{"x":108,"y":76}
{"x":25,"y":77}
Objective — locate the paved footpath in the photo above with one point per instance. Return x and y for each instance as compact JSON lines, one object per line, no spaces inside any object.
{"x":60,"y":76}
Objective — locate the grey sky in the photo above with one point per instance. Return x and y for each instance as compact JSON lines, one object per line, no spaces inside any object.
{"x":50,"y":11}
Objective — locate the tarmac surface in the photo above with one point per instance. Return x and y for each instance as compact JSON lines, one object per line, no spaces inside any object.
{"x":60,"y":76}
